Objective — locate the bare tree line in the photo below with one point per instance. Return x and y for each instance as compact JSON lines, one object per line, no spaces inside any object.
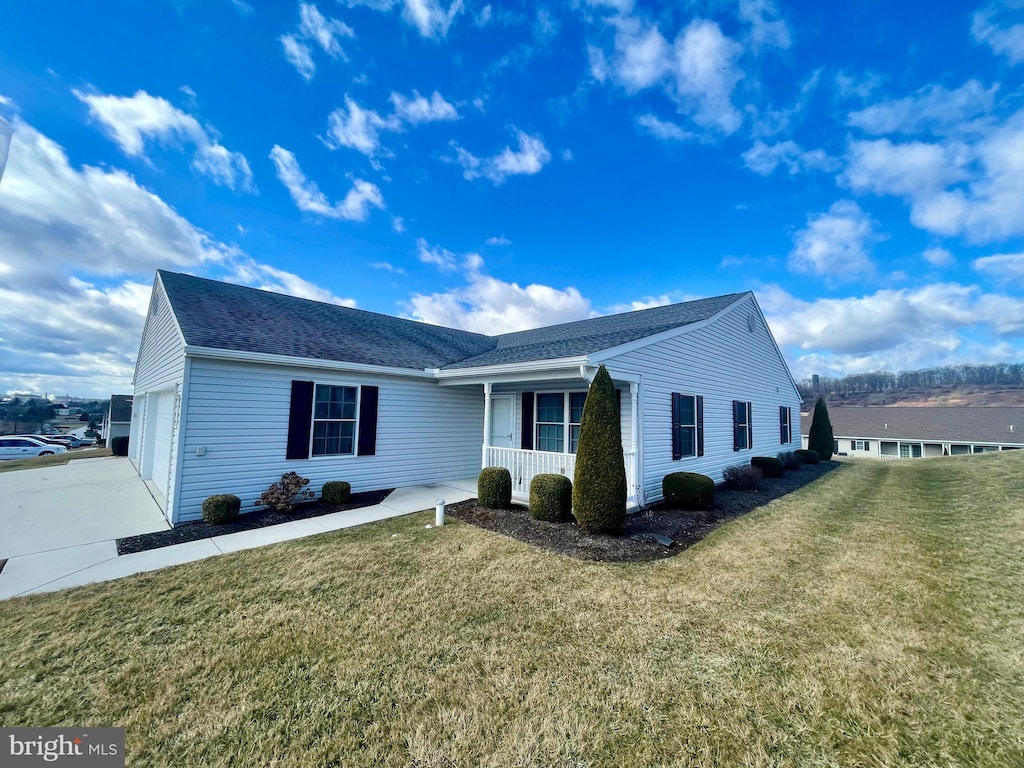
{"x":999,"y":374}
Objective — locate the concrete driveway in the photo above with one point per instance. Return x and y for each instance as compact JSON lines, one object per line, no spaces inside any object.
{"x":85,"y":501}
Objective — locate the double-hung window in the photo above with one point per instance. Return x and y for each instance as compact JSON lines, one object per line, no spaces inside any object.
{"x":334,"y":420}
{"x":558,"y":421}
{"x":687,"y":426}
{"x":785,"y":430}
{"x":742,"y":429}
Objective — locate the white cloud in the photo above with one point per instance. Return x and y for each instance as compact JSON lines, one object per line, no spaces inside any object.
{"x":837,"y":244}
{"x":643,"y":56}
{"x":131,"y":121}
{"x":529,"y":159}
{"x":324,"y":30}
{"x":765,"y":28}
{"x":623,"y":7}
{"x":398,"y":224}
{"x":387,"y":267}
{"x":764,"y":159}
{"x":317,"y":28}
{"x":420,"y":109}
{"x":488,"y":305}
{"x":706,"y":73}
{"x":890,"y":329}
{"x":299,"y":55}
{"x":307,"y":195}
{"x":599,"y":69}
{"x":6,"y":132}
{"x":500,"y":240}
{"x":939,"y":257}
{"x":268,"y":278}
{"x":443,"y":259}
{"x":1005,"y":267}
{"x":662,"y":129}
{"x":931,"y":109}
{"x":429,"y":17}
{"x":1006,"y":40}
{"x":358,"y":128}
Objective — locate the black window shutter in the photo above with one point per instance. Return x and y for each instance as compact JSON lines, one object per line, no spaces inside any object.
{"x":735,"y":422}
{"x":300,"y":420}
{"x":750,"y":426}
{"x":618,"y":403}
{"x":526,"y":439}
{"x":367,"y":445}
{"x":783,"y":437}
{"x":677,"y":441}
{"x":700,"y":425}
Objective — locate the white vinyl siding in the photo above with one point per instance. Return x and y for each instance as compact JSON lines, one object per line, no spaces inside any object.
{"x":238,"y":413}
{"x":723,"y":361}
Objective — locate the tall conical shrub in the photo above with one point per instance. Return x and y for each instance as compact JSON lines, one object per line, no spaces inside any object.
{"x":599,"y":481}
{"x":820,"y":438}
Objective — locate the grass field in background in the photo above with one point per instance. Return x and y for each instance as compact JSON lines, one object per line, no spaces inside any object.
{"x":54,"y":460}
{"x":873,"y":618}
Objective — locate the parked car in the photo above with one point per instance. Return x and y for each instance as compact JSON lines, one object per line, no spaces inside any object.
{"x":52,"y":439}
{"x":86,"y":441}
{"x":25,"y":447}
{"x":74,"y":441}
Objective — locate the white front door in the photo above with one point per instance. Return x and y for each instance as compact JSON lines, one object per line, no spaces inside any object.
{"x":501,"y":421}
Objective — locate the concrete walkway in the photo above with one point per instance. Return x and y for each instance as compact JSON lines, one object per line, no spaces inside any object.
{"x":86,"y":563}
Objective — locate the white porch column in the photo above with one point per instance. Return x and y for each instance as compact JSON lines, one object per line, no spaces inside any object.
{"x":487,"y":424}
{"x":634,"y":421}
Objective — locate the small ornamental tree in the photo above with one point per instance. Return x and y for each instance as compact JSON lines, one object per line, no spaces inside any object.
{"x":820,"y":438}
{"x":599,"y":481}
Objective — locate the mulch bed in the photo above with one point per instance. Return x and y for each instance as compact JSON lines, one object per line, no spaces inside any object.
{"x":247,"y":522}
{"x":680,"y":528}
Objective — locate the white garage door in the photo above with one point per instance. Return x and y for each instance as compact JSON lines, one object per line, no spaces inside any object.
{"x":162,"y":440}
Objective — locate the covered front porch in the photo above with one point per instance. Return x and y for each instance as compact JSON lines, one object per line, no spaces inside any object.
{"x":532,"y":418}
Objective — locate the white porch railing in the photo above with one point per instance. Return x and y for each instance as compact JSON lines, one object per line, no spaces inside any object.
{"x":524,"y":465}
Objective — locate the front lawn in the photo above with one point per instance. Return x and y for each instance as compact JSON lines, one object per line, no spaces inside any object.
{"x":873,"y":618}
{"x":54,"y":460}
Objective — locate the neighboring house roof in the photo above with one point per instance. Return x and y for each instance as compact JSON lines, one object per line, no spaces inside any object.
{"x":973,"y":424}
{"x":224,"y":316}
{"x":120,"y":408}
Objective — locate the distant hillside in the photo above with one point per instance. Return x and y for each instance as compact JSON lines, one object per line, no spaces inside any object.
{"x":977,"y":385}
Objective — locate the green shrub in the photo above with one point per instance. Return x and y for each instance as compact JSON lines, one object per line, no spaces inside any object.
{"x":283,"y":495}
{"x":599,"y":482}
{"x":743,"y":477}
{"x":789,"y":460}
{"x":769,"y":465}
{"x":119,"y":445}
{"x":494,"y":488}
{"x":820,"y":437}
{"x":336,"y":492}
{"x":222,"y":508}
{"x":551,"y":498}
{"x":808,"y":456}
{"x":688,"y":490}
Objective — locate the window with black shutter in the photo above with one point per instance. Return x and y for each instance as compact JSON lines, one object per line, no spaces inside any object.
{"x":687,"y":426}
{"x":742,"y":429}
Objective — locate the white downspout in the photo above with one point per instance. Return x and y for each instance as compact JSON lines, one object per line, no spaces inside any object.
{"x":634,"y":443}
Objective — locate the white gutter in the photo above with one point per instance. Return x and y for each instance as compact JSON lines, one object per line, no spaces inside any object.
{"x":507,"y":368}
{"x":302,"y":362}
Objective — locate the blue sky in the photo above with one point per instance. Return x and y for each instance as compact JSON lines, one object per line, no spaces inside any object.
{"x":498,"y":166}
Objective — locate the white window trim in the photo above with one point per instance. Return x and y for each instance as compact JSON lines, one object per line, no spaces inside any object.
{"x":355,"y":429}
{"x":788,"y":423}
{"x":566,"y":423}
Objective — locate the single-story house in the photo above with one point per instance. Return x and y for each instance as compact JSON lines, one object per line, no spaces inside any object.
{"x":117,"y":421}
{"x":913,"y":432}
{"x":235,"y":386}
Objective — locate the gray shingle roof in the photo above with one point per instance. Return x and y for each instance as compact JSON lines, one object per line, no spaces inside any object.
{"x":121,"y":408}
{"x":232,"y":317}
{"x":974,"y":424}
{"x":585,"y":337}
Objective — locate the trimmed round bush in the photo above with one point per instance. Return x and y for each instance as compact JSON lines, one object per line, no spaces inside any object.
{"x":551,"y":498}
{"x":769,"y":465}
{"x":494,"y":488}
{"x":119,"y":445}
{"x":790,"y":461}
{"x":688,"y":490}
{"x":808,"y":456}
{"x":222,"y":508}
{"x":336,"y":492}
{"x":743,"y":477}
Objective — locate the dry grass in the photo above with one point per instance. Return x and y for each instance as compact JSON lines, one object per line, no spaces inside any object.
{"x":54,"y":460}
{"x":872,"y":619}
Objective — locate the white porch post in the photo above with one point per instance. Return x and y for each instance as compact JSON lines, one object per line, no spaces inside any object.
{"x":634,"y":420}
{"x":487,"y":424}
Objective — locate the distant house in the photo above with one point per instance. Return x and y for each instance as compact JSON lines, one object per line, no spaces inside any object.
{"x":118,"y":418}
{"x":235,"y":386}
{"x":916,"y":432}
